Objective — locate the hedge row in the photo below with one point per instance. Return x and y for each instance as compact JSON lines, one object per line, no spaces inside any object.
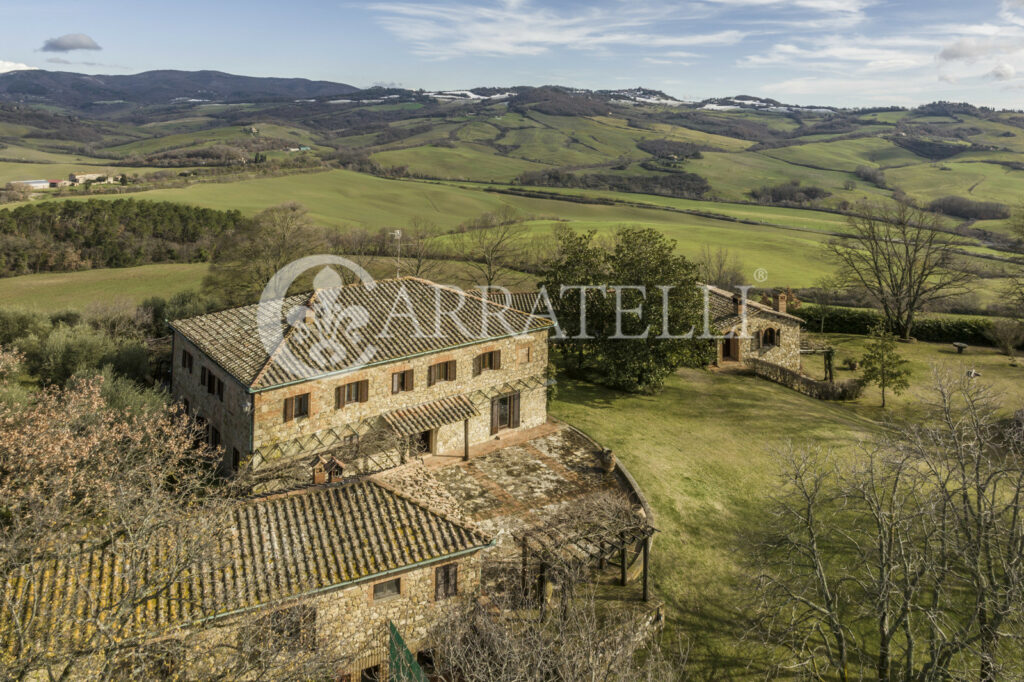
{"x":942,"y":329}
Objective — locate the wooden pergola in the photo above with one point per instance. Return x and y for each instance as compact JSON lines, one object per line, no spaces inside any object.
{"x":557,"y":548}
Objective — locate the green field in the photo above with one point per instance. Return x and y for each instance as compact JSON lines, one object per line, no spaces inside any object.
{"x":703,"y":453}
{"x":464,"y":161}
{"x":52,"y":292}
{"x":846,"y":155}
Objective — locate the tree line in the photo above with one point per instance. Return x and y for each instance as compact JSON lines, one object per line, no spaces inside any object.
{"x":80,"y":235}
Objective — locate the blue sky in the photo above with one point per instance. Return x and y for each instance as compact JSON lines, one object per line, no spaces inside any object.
{"x":840,"y":52}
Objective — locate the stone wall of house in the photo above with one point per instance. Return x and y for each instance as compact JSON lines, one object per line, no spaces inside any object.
{"x":785,"y":352}
{"x":230,"y":416}
{"x":521,"y":357}
{"x":354,"y":621}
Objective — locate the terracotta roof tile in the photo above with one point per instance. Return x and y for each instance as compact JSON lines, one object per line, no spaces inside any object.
{"x":398,"y":319}
{"x":276,"y":547}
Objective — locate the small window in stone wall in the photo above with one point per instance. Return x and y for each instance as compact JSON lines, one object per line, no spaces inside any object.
{"x":442,"y":371}
{"x":352,"y":392}
{"x":388,"y":588}
{"x":402,"y":381}
{"x":296,"y":407}
{"x":446,"y":581}
{"x":186,"y":361}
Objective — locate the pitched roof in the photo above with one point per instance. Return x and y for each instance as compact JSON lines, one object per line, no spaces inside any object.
{"x":275,"y":548}
{"x":723,"y":309}
{"x":354,"y":325}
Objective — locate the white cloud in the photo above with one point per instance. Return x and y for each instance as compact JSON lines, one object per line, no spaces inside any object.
{"x":6,"y":66}
{"x":517,"y":27}
{"x":842,"y":53}
{"x":1002,"y":72}
{"x":69,"y":42}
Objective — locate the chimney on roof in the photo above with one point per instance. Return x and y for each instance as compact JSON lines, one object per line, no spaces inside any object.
{"x":310,"y":317}
{"x":780,"y":302}
{"x":738,"y":302}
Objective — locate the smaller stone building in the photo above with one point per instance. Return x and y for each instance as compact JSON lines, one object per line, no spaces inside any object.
{"x":754,"y":330}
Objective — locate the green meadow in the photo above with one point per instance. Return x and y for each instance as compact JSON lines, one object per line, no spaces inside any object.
{"x":53,"y":292}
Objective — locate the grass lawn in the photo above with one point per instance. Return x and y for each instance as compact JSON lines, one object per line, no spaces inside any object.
{"x":703,"y":452}
{"x":51,"y":292}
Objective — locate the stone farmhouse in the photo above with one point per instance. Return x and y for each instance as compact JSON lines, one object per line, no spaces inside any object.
{"x":771,"y":334}
{"x":432,"y":370}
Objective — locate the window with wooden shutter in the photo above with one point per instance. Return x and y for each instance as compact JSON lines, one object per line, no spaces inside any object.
{"x":301,"y":405}
{"x":452,"y":370}
{"x":478,"y":365}
{"x":513,"y":411}
{"x":348,"y":393}
{"x":220,"y":390}
{"x":289,"y":409}
{"x":401,"y":381}
{"x":496,"y":359}
{"x":431,"y":375}
{"x":364,"y":390}
{"x":408,"y":380}
{"x":202,"y":375}
{"x":446,"y":581}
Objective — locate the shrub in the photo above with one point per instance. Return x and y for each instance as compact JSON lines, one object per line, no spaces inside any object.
{"x":789,"y":192}
{"x":850,"y":389}
{"x":968,"y":209}
{"x":872,"y":175}
{"x":59,"y":355}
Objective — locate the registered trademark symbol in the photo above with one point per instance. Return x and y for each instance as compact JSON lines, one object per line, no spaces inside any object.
{"x":760,"y":274}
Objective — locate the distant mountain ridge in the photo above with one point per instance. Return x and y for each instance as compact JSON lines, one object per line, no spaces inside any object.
{"x":83,"y":91}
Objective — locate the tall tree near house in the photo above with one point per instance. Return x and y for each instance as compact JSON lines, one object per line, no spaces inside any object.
{"x":492,"y":246}
{"x":245,"y":258}
{"x":900,"y":256}
{"x":577,"y":261}
{"x":636,"y":350}
{"x":883,"y":365}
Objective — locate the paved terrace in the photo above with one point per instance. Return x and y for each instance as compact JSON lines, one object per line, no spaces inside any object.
{"x":507,"y":484}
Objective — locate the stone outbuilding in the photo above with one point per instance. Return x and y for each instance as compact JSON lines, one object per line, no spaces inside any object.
{"x":754,"y":330}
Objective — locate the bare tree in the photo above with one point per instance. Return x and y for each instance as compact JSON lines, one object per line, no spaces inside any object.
{"x":493,"y":246}
{"x":719,"y":268}
{"x":423,"y":250}
{"x":898,"y":254}
{"x":245,"y":258}
{"x":912,"y":558}
{"x":825,"y":295}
